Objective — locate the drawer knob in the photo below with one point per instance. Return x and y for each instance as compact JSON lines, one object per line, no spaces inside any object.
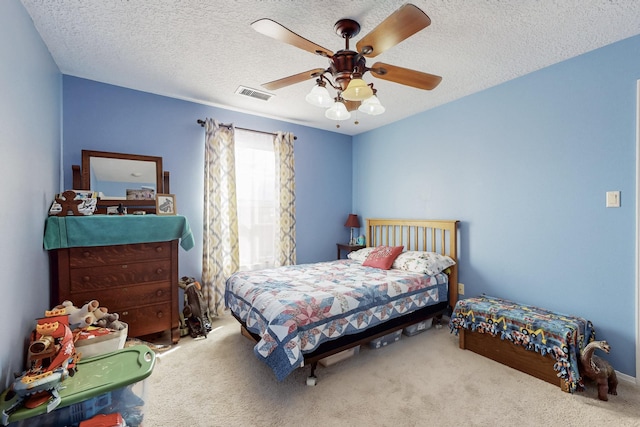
{"x":159,"y":271}
{"x":124,"y":313}
{"x":86,"y":278}
{"x":86,"y":254}
{"x":159,"y":293}
{"x":159,"y":314}
{"x":159,"y":249}
{"x":124,"y":266}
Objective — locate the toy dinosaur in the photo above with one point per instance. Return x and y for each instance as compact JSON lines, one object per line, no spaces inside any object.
{"x":598,"y":369}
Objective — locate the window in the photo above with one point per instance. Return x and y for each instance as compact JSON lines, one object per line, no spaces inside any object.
{"x":255,"y":192}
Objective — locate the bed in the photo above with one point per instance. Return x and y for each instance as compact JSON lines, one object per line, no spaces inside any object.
{"x":300,"y":314}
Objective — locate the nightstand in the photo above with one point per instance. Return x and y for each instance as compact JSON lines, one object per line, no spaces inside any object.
{"x":347,"y":247}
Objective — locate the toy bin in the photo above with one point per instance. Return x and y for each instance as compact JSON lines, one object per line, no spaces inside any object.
{"x":418,"y":327}
{"x":94,"y":341}
{"x":338,"y":357}
{"x":105,"y":384}
{"x":386,"y":339}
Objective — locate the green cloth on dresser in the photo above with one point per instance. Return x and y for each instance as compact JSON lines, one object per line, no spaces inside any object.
{"x":104,"y":230}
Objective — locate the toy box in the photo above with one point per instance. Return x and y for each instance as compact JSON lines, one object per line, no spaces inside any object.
{"x":418,"y":327}
{"x":386,"y":339}
{"x":105,"y":384}
{"x":94,"y":341}
{"x":335,"y":358}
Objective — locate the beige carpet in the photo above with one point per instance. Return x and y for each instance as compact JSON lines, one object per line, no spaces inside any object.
{"x":424,"y":380}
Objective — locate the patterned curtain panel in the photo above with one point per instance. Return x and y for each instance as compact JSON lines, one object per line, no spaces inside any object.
{"x":286,"y":195}
{"x":220,"y":254}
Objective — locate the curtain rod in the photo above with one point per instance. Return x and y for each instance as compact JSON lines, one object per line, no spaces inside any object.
{"x":201,"y":123}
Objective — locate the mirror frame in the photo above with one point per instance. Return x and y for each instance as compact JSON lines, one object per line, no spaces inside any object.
{"x":162,"y":178}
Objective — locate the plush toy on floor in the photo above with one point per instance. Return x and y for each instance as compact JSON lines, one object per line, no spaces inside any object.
{"x":598,"y":369}
{"x":195,"y":311}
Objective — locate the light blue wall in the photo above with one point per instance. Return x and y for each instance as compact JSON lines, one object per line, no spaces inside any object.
{"x":30,"y":111}
{"x":103,"y":117}
{"x":525,"y":166}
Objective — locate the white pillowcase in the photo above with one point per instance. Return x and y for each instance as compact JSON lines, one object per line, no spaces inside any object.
{"x":361,"y":254}
{"x":430,"y":263}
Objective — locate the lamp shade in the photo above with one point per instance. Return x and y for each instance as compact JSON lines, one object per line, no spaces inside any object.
{"x":352,"y":221}
{"x":357,"y":90}
{"x":319,"y":96}
{"x":337,"y":112}
{"x":371,"y":106}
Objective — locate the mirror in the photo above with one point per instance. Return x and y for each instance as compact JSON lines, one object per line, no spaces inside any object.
{"x":130,"y":179}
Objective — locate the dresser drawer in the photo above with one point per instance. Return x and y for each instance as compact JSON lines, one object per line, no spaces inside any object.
{"x":147,"y":319}
{"x":138,"y":281}
{"x":122,"y":298}
{"x":105,"y":255}
{"x":96,"y":278}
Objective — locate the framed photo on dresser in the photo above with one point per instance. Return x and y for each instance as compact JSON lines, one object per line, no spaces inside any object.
{"x":166,"y":204}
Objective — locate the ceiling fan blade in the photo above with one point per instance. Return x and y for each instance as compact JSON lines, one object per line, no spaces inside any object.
{"x":400,"y":25}
{"x":276,"y":31}
{"x":296,"y":78}
{"x":405,"y":76}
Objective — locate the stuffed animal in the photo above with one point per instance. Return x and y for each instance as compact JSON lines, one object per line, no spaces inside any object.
{"x":80,"y":317}
{"x":111,"y":321}
{"x":195,"y":311}
{"x":598,"y":369}
{"x":104,"y":319}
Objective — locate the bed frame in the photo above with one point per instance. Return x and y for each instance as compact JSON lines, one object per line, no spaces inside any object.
{"x":439,"y":236}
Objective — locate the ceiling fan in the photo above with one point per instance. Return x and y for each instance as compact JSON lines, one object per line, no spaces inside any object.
{"x":347,"y":67}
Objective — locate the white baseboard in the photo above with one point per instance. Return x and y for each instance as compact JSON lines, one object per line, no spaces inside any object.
{"x":627,"y":378}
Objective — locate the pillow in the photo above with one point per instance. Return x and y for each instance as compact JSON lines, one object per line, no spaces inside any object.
{"x":383,"y":256}
{"x":430,"y":263}
{"x":360,"y":255}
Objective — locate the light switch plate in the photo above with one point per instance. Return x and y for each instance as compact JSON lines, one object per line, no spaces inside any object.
{"x":613,"y":199}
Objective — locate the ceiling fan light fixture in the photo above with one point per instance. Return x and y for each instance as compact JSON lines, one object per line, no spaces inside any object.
{"x":357,"y":90}
{"x":319,"y":96}
{"x":371,"y":106}
{"x":338,"y":111}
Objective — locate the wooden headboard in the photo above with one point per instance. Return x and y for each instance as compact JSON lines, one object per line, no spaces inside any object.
{"x":439,"y":236}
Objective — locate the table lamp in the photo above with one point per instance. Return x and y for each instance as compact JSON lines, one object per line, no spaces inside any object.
{"x":353,"y":222}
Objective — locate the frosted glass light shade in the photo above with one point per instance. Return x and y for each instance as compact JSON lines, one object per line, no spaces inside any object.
{"x":357,"y":90}
{"x":371,"y":106}
{"x":319,"y":96}
{"x":337,"y":112}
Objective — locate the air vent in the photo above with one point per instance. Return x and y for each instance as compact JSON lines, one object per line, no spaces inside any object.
{"x":253,"y":93}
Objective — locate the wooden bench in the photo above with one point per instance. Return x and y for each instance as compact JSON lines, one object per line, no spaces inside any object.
{"x":538,"y":342}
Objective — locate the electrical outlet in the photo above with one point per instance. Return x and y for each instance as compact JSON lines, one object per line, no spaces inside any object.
{"x":613,"y":199}
{"x":461,"y":288}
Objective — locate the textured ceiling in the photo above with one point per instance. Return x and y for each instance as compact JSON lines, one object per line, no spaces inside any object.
{"x":202,"y":51}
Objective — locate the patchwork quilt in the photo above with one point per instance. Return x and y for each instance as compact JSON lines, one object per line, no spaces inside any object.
{"x":296,"y":308}
{"x":534,"y":328}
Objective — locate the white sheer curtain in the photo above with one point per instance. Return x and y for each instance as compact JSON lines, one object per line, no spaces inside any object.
{"x":256,"y":195}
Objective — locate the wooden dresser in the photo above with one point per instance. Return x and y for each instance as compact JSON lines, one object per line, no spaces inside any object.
{"x":138,"y":279}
